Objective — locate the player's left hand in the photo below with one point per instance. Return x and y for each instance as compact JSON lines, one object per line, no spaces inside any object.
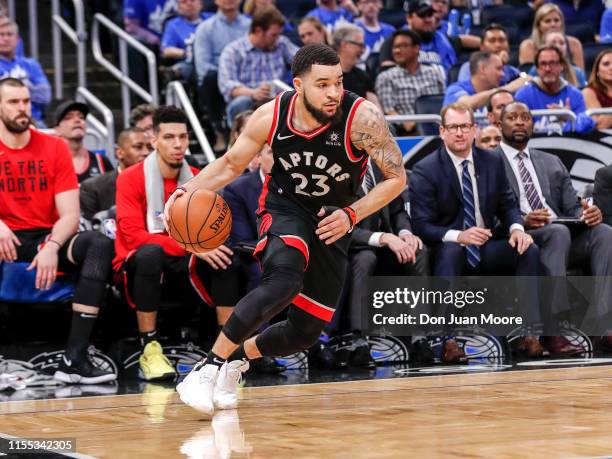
{"x":332,"y":227}
{"x":45,"y":263}
{"x":520,"y":240}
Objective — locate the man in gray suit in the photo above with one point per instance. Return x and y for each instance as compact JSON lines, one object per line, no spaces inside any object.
{"x":543,"y":187}
{"x":602,"y":192}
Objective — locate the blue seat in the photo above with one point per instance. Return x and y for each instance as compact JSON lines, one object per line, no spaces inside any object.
{"x":428,"y":105}
{"x":17,"y":285}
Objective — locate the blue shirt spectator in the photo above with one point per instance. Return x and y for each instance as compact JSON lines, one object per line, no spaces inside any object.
{"x":179,"y":32}
{"x":568,"y":96}
{"x":213,"y":35}
{"x":465,"y":88}
{"x":373,"y":37}
{"x":581,"y":80}
{"x":605,"y":29}
{"x":144,"y":19}
{"x":510,"y":73}
{"x":25,"y":69}
{"x":332,"y":18}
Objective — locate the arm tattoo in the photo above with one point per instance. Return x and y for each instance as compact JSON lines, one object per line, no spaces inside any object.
{"x":370,"y":132}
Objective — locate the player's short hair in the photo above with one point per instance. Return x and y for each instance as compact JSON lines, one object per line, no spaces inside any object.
{"x":313,"y":54}
{"x":458,"y":107}
{"x":168,"y":114}
{"x":125,"y":134}
{"x":492,"y":96}
{"x":12,"y":82}
{"x":266,"y":17}
{"x":478,"y":58}
{"x":139,"y":112}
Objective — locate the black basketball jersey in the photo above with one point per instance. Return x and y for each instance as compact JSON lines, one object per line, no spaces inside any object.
{"x":317,"y":168}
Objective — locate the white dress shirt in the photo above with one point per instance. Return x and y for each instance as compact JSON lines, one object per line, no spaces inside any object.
{"x":453,"y":235}
{"x":512,"y":156}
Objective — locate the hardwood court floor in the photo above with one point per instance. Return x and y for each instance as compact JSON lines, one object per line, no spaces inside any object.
{"x":527,"y":414}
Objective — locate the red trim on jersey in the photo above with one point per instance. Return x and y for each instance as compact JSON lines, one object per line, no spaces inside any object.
{"x":297,"y":243}
{"x":266,"y":222}
{"x":100,"y":161}
{"x":260,"y":246}
{"x":313,"y":307}
{"x":306,"y":135}
{"x":126,"y":291}
{"x":275,"y":120}
{"x":263,"y":195}
{"x":197,"y":284}
{"x":347,"y":131}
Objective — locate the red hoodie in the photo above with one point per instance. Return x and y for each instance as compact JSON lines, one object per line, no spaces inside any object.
{"x":132,"y":216}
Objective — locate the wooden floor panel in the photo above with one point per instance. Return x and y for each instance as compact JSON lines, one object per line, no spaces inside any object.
{"x":539,"y":413}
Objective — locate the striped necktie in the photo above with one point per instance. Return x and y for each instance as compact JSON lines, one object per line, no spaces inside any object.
{"x":533,"y":198}
{"x":469,"y":213}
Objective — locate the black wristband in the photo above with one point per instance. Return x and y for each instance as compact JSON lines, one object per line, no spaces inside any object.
{"x":55,"y":242}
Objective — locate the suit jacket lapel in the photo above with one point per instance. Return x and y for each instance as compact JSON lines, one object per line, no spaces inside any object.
{"x":449,"y":170}
{"x":510,"y":174}
{"x":480,"y":171}
{"x":540,"y":167}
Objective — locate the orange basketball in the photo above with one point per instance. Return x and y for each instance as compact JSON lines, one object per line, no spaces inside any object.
{"x":200,"y":221}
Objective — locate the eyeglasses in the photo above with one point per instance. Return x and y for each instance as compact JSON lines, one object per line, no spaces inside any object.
{"x":453,"y":128}
{"x":549,"y":64}
{"x":356,"y":43}
{"x":425,"y":14}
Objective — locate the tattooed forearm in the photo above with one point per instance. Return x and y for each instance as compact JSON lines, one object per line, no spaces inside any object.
{"x":370,"y":132}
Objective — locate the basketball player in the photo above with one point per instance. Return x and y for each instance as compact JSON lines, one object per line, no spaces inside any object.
{"x":321,"y":137}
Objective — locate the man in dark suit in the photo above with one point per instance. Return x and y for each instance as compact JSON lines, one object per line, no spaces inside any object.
{"x":602,"y":192}
{"x":457,"y":195}
{"x":543,"y":187}
{"x":98,"y":193}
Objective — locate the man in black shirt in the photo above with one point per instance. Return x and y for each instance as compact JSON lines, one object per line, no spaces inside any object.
{"x":348,"y":41}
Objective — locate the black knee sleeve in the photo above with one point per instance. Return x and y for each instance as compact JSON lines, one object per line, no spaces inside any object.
{"x":145,"y":268}
{"x":94,"y":252}
{"x":282,"y":281}
{"x":299,"y":332}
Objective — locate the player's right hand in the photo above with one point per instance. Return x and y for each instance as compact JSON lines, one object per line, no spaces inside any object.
{"x":8,"y":243}
{"x":173,"y":197}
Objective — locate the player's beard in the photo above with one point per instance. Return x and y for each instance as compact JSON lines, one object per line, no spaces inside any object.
{"x":320,"y":115}
{"x":17,"y":127}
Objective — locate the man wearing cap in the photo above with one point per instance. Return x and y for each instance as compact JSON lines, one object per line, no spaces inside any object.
{"x":68,"y":121}
{"x":435,"y":50}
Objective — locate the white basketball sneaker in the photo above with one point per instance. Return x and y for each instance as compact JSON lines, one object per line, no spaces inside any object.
{"x":197,"y":388}
{"x":226,"y":390}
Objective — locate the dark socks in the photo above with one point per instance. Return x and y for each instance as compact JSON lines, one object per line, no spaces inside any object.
{"x":80,"y":331}
{"x":238,"y":354}
{"x":214,"y":359}
{"x":147,"y":337}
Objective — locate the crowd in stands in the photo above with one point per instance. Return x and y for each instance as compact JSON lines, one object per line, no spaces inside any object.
{"x":488,"y":76}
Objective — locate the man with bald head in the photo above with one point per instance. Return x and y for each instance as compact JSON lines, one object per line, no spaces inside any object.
{"x":98,"y":193}
{"x":543,"y":187}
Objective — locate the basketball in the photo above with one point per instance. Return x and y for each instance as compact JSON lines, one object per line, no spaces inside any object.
{"x":200,"y":221}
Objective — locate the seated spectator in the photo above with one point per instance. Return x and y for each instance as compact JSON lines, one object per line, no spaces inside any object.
{"x":598,"y":94}
{"x":4,"y":19}
{"x":25,"y":69}
{"x":572,"y":73}
{"x":248,"y":66}
{"x":68,"y":121}
{"x":605,"y":29}
{"x":332,"y":15}
{"x":98,"y":193}
{"x":146,"y":257}
{"x":496,"y":103}
{"x":178,"y":35}
{"x":602,"y":192}
{"x":144,"y":19}
{"x":311,"y":30}
{"x":348,"y":43}
{"x":375,"y":32}
{"x":488,"y":137}
{"x":399,"y":87}
{"x":549,"y":90}
{"x":487,"y":71}
{"x":435,"y":49}
{"x":141,"y":117}
{"x":39,"y":217}
{"x":543,"y":188}
{"x":549,"y":17}
{"x":211,"y":38}
{"x":495,"y":40}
